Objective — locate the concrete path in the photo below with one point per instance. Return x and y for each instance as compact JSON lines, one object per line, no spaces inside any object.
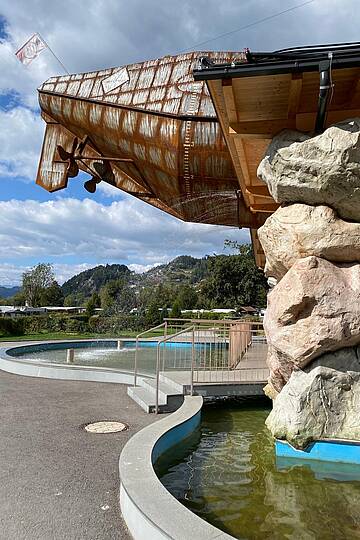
{"x":56,"y":480}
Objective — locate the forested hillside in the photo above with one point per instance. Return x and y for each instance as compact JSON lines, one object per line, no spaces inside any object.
{"x":216,"y":281}
{"x":132,"y":302}
{"x":210,"y":282}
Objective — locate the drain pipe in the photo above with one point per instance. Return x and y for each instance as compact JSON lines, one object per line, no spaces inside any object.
{"x":324,"y":94}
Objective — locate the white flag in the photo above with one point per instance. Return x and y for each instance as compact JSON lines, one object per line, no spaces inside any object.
{"x":31,"y":50}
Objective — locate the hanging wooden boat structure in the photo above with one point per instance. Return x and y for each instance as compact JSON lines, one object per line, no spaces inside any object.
{"x":186,"y":133}
{"x":148,"y":129}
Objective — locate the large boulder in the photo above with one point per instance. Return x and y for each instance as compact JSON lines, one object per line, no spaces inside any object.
{"x":323,"y":403}
{"x":318,"y":170}
{"x":314,"y":309}
{"x":300,"y":230}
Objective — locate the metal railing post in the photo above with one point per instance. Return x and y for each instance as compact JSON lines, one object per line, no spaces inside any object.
{"x":136,"y":360}
{"x":157,"y":377}
{"x":164,"y":351}
{"x":192,"y":360}
{"x":137,"y":347}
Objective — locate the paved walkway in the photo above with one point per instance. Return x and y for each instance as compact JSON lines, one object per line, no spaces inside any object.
{"x":56,"y":480}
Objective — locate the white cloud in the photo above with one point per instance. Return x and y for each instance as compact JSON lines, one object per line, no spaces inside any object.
{"x":21,"y":135}
{"x":141,"y":268}
{"x":127,"y":231}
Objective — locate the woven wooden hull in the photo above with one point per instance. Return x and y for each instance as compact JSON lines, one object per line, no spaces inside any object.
{"x":154,"y":116}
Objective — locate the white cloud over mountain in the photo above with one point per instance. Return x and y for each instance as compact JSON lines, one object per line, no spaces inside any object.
{"x":127,"y":231}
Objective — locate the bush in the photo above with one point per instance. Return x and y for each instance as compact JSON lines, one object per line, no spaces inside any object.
{"x":11,"y":326}
{"x":100,"y":324}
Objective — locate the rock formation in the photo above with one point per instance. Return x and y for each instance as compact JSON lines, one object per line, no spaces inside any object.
{"x":312,"y":249}
{"x":320,"y":170}
{"x":314,"y":309}
{"x":323,"y":403}
{"x":300,"y":230}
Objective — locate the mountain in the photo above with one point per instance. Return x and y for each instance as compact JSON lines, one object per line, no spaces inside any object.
{"x":217,"y":280}
{"x":182,"y":270}
{"x":6,"y":292}
{"x":90,"y":281}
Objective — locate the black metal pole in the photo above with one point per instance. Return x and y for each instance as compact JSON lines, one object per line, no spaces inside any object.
{"x":324,"y":94}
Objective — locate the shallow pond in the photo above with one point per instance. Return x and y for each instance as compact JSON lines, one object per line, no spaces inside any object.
{"x":228,"y":475}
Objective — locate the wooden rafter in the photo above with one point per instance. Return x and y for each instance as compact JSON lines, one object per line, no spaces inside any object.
{"x":295,"y":94}
{"x":229,"y":98}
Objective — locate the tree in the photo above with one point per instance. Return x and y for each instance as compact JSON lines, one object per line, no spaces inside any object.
{"x":153,"y":314}
{"x":234,"y":280}
{"x":117,"y":297}
{"x":52,"y":296}
{"x":187,"y":297}
{"x":93,"y":303}
{"x":175,"y":312}
{"x":96,"y":299}
{"x":70,"y":300}
{"x":36,"y":281}
{"x":18,"y":299}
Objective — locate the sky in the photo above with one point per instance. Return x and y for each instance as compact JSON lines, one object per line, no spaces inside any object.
{"x":75,"y":231}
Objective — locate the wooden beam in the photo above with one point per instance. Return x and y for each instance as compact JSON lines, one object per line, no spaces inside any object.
{"x":258,"y":191}
{"x":295,"y":94}
{"x":268,"y":208}
{"x":217,"y":95}
{"x":306,"y":121}
{"x":258,"y":250}
{"x":239,"y":145}
{"x":229,"y":99}
{"x":266,"y":128}
{"x":253,"y":136}
{"x":301,"y":121}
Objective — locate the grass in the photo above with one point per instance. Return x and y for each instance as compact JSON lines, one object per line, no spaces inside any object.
{"x":47,"y":336}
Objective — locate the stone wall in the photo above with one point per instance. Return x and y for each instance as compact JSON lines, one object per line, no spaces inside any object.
{"x":312,"y":249}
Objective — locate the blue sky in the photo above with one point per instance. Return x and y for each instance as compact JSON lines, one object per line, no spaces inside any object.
{"x":70,"y":228}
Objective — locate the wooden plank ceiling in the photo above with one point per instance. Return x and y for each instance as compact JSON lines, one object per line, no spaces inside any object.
{"x":251,"y":110}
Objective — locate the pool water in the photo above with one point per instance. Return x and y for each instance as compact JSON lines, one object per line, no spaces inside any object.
{"x":228,"y":475}
{"x":174,"y":356}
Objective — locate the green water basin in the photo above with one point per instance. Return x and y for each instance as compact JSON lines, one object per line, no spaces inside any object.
{"x":228,"y":475}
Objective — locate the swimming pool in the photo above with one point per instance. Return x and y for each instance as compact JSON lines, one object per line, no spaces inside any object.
{"x":175,"y":355}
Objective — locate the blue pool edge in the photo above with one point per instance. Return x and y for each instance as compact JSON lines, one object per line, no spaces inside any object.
{"x":331,"y":450}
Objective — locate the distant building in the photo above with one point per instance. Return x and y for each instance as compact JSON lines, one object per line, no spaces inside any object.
{"x":21,"y":311}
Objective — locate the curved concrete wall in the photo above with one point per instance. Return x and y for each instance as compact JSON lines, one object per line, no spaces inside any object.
{"x":150,"y":511}
{"x":30,"y":368}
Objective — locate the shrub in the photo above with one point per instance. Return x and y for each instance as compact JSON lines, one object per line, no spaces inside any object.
{"x":11,"y":326}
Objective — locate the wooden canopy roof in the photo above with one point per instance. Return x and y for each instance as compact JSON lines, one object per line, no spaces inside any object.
{"x":275,"y":91}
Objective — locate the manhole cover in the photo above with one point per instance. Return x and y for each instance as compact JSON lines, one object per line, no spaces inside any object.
{"x":106,"y":427}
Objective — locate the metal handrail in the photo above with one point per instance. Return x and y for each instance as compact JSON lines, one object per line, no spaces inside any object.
{"x":223,"y":322}
{"x":161,"y":342}
{"x":228,"y":340}
{"x":162,"y":325}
